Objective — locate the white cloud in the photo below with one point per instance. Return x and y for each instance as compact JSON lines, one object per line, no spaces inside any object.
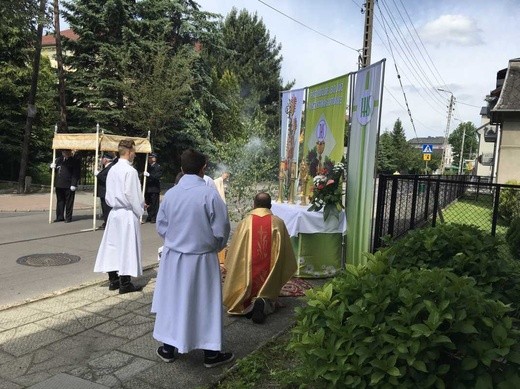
{"x":454,"y":29}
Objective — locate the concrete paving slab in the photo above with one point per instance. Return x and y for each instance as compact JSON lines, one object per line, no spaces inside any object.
{"x":112,"y":368}
{"x":129,"y":326}
{"x":72,"y":322}
{"x":4,"y":384}
{"x":17,"y":317}
{"x":66,"y":381}
{"x":24,"y":339}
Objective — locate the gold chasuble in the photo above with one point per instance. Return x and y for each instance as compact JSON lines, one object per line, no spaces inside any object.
{"x":259,"y":261}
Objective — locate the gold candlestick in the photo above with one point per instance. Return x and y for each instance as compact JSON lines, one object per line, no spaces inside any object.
{"x":293,"y":182}
{"x":304,"y":177}
{"x":281,"y":177}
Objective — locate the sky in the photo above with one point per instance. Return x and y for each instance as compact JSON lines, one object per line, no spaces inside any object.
{"x":455,"y":45}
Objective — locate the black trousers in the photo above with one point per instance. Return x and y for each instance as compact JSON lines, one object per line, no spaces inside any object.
{"x":152,"y":200}
{"x":64,"y":203}
{"x":105,"y":208}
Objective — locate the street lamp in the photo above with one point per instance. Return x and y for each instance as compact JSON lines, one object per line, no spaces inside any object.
{"x":447,"y":132}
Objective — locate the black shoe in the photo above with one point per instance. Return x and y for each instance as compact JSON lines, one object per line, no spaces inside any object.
{"x":102,"y":226}
{"x":129,"y":288}
{"x":113,"y":285}
{"x":258,"y":315}
{"x":152,"y":221}
{"x":218,"y":360}
{"x":68,"y":220}
{"x":58,"y":220}
{"x":166,"y":356}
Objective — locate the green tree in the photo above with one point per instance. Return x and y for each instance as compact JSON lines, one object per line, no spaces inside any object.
{"x":468,"y":131}
{"x":17,"y":38}
{"x":385,"y":153}
{"x":253,"y":57}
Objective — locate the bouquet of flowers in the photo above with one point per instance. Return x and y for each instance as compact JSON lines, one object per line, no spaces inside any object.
{"x":327,"y":192}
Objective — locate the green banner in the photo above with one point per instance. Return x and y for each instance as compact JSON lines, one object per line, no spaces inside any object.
{"x":325,"y":113}
{"x":362,"y":147}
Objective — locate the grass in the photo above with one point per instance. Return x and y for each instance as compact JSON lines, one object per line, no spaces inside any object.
{"x":474,"y":211}
{"x":271,"y":366}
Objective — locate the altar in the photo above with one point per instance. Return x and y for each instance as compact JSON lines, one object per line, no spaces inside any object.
{"x":316,"y":243}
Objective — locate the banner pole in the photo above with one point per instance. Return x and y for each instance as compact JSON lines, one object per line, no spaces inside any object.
{"x":96,"y":168}
{"x":144,"y":176}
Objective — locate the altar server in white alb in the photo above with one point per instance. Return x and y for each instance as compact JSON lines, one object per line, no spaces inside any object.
{"x":193,"y":221}
{"x":119,"y":254}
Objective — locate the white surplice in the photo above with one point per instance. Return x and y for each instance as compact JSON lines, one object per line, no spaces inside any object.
{"x":194,"y":223}
{"x":120,"y":248}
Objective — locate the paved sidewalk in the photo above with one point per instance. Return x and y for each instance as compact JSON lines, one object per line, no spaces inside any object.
{"x":96,"y":338}
{"x":90,"y":337}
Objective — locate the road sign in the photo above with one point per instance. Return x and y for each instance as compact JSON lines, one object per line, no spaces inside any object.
{"x":427,"y":149}
{"x":427,"y":157}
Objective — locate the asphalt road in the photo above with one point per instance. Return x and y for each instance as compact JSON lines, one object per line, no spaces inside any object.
{"x":27,"y":233}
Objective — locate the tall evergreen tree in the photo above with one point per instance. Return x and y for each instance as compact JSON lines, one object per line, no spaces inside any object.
{"x":18,"y":20}
{"x":249,"y":53}
{"x":95,"y":60}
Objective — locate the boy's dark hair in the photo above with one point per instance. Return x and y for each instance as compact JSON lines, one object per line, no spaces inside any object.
{"x":262,"y":200}
{"x":192,"y":161}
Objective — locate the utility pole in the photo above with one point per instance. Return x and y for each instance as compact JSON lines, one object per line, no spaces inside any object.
{"x":367,"y":34}
{"x":462,"y":150}
{"x":447,"y":132}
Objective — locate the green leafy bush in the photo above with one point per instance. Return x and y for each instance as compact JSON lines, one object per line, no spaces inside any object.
{"x":417,"y":328}
{"x":513,"y":238}
{"x":467,"y":251}
{"x":509,"y":202}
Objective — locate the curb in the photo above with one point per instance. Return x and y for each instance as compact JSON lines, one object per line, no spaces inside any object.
{"x":66,"y":290}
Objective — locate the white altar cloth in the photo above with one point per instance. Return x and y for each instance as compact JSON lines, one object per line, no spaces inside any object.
{"x":300,"y":221}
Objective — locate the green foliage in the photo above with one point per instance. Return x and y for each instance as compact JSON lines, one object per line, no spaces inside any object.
{"x":509,"y":202}
{"x":467,"y":251}
{"x":251,"y":164}
{"x":396,"y":154}
{"x":468,"y":131}
{"x":513,"y":238}
{"x":378,"y":327}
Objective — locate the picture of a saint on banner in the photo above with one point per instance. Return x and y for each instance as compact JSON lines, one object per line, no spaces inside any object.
{"x":292,"y":103}
{"x":325,"y":125}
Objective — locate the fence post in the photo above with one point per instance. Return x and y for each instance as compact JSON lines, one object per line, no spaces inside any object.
{"x":495,"y":211}
{"x":435,"y":203}
{"x":391,"y":214}
{"x":414,"y":201}
{"x":380,"y":212}
{"x":427,"y":201}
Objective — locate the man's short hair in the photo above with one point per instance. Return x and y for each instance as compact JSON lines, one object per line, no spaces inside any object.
{"x":125,"y":146}
{"x":192,"y":161}
{"x":262,"y":200}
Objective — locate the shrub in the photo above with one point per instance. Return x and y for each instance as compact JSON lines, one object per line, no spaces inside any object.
{"x":513,"y":238}
{"x":509,"y":202}
{"x":467,"y":251}
{"x":379,"y":327}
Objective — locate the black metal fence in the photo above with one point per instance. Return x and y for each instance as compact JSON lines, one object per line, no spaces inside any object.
{"x":406,"y":202}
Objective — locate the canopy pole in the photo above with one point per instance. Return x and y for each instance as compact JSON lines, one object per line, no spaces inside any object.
{"x":144,"y":176}
{"x":53,"y":172}
{"x":96,"y":169}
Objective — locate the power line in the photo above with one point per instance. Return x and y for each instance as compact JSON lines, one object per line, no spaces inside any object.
{"x":422,"y":44}
{"x":413,"y":72}
{"x":310,"y":28}
{"x":401,"y":83}
{"x":410,"y":54}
